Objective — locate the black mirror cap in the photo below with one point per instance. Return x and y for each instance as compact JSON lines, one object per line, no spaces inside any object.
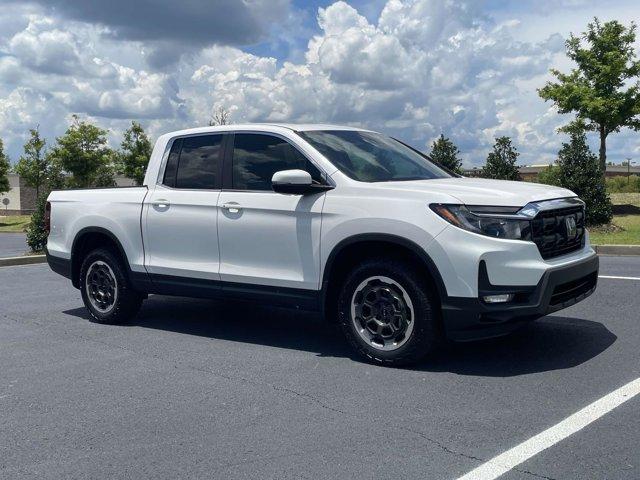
{"x":293,"y":189}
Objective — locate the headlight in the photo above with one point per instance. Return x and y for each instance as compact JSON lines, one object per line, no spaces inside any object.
{"x":499,"y":223}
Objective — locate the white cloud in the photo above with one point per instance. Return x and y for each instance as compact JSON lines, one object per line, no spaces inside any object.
{"x":421,"y":68}
{"x":42,"y":47}
{"x":424,"y":68}
{"x":48,"y":73}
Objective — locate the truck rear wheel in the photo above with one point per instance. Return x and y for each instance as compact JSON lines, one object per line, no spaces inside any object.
{"x":386,"y":311}
{"x":106,"y":289}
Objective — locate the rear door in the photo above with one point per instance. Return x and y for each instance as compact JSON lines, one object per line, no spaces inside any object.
{"x":180,"y":222}
{"x":267,"y":238}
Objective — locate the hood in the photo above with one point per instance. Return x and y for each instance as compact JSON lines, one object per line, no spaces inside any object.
{"x":482,"y":191}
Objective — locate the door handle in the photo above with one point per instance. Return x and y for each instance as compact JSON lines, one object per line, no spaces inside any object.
{"x":233,"y":207}
{"x":161,"y":203}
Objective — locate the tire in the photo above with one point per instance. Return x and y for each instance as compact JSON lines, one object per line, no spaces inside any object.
{"x":108,"y":287}
{"x":402,"y":297}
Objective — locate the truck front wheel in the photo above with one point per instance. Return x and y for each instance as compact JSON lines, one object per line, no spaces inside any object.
{"x":106,"y":289}
{"x":386,"y":311}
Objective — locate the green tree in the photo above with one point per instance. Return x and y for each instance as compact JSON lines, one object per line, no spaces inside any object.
{"x":580,"y":172}
{"x":501,"y":162}
{"x":33,"y":166}
{"x":104,"y":176}
{"x":601,"y":91}
{"x":55,"y":175}
{"x":83,"y":152}
{"x":4,"y":170}
{"x":136,"y":151}
{"x":445,"y":153}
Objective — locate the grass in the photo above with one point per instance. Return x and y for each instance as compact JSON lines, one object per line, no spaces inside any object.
{"x":627,"y":233}
{"x":625,"y":227}
{"x":626,"y":199}
{"x":14,"y":223}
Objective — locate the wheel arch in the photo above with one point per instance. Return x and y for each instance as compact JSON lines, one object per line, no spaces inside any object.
{"x":88,"y":239}
{"x":349,"y":251}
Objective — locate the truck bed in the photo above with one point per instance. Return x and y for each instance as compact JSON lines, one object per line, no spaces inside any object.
{"x":116,"y":210}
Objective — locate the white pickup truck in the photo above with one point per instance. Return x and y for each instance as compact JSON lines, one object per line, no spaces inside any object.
{"x":347,"y":222}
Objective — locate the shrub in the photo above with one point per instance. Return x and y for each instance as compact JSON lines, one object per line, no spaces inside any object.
{"x":550,"y":176}
{"x":36,"y":233}
{"x":580,"y":172}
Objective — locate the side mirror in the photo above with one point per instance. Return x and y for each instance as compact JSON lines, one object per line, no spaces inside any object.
{"x":296,"y":182}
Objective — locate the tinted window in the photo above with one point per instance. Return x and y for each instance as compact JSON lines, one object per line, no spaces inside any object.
{"x":172,"y":164}
{"x":199,"y":162}
{"x":257,"y":157}
{"x":371,"y":157}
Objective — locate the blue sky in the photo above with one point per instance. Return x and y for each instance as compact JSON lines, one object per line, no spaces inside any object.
{"x":410,"y":68}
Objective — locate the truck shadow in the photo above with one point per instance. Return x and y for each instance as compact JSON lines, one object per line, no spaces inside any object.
{"x":551,"y":343}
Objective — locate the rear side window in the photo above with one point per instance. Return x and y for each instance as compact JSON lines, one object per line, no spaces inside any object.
{"x":194,"y":163}
{"x":172,"y":164}
{"x":257,"y":157}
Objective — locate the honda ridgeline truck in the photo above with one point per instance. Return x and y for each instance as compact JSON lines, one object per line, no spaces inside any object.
{"x":347,"y":222}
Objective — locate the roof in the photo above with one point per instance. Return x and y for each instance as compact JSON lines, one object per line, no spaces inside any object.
{"x":304,"y":127}
{"x":298,"y":127}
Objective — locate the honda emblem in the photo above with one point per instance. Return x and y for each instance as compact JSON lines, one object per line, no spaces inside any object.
{"x":570,"y":224}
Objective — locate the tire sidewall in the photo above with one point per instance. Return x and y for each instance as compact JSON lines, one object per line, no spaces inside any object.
{"x":117,"y":314}
{"x":425,"y":335}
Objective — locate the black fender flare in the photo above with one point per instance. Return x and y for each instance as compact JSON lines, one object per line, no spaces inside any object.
{"x":430,"y":265}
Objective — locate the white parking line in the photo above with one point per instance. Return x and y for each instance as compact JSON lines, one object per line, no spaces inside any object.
{"x":506,"y":461}
{"x":618,"y":278}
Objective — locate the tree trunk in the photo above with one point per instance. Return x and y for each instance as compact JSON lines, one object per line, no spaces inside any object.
{"x":603,"y":150}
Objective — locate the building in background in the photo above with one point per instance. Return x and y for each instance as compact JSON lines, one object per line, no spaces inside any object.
{"x":21,"y":199}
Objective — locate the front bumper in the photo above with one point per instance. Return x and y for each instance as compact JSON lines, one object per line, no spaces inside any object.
{"x":469,"y":318}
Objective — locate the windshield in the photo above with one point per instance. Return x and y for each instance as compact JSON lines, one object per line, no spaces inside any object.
{"x":372,"y":157}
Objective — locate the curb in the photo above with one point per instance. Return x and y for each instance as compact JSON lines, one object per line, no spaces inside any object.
{"x":626,"y":250}
{"x":25,"y":260}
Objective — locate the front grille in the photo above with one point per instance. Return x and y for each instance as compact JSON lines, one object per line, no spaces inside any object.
{"x":572,"y":290}
{"x":549,"y":231}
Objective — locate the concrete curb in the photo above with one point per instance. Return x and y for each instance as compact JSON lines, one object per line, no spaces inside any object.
{"x":626,"y":250}
{"x":25,"y":260}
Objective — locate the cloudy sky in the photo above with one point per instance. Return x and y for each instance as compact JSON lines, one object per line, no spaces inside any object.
{"x":410,"y":68}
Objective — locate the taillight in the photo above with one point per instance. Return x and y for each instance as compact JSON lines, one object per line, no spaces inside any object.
{"x":47,"y":217}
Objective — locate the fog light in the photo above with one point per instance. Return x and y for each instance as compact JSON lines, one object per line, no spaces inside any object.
{"x":502,"y":298}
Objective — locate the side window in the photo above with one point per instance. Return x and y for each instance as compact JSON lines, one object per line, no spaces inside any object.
{"x":193,"y":162}
{"x":199,"y":162}
{"x":170,"y":170}
{"x":257,"y":157}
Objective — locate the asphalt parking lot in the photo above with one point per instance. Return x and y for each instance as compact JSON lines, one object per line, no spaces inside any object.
{"x":199,"y":389}
{"x":13,"y":244}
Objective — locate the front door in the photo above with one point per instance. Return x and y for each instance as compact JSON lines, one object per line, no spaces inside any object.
{"x":180,"y":214}
{"x":267,"y":238}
